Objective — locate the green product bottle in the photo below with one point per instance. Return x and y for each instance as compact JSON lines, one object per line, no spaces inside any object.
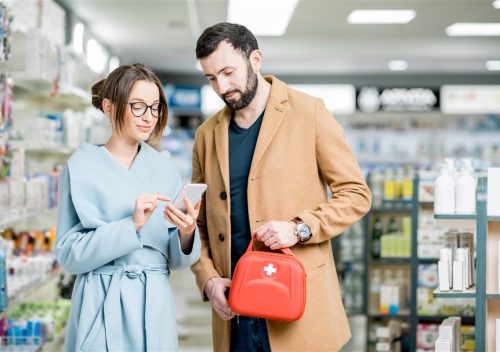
{"x":377,"y":234}
{"x":393,"y":226}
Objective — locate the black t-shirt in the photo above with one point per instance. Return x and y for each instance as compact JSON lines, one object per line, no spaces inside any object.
{"x":242,"y":143}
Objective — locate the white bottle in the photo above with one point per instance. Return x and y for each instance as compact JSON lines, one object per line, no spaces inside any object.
{"x":374,"y":299}
{"x":444,"y":189}
{"x":466,"y":189}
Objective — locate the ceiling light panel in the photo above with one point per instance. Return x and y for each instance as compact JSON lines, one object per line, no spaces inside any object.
{"x":381,"y":16}
{"x":262,"y":17}
{"x":474,"y":29}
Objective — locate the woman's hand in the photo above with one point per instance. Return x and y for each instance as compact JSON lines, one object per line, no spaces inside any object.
{"x":145,"y":204}
{"x":185,"y":222}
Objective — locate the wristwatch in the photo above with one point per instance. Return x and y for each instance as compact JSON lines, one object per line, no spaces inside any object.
{"x":302,"y":231}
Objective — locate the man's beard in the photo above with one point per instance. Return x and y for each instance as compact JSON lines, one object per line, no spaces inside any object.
{"x":247,"y":96}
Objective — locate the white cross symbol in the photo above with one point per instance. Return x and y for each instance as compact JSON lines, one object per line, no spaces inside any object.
{"x":270,"y":269}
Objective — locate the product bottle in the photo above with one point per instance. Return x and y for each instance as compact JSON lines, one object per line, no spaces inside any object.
{"x":444,"y":189}
{"x":358,"y":290}
{"x":466,"y":189}
{"x":376,"y":282}
{"x":348,"y":291}
{"x":377,"y":234}
{"x":377,"y":187}
{"x":407,"y":187}
{"x":392,"y":227}
{"x":390,"y":186}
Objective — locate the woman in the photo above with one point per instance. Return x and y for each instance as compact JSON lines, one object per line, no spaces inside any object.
{"x":114,"y":230}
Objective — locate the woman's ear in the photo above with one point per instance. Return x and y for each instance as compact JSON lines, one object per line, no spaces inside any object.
{"x":107,"y":107}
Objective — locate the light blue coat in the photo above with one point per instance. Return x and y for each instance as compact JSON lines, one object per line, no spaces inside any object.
{"x":122,"y":300}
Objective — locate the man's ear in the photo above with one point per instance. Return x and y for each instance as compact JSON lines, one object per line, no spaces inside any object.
{"x":107,"y":107}
{"x":256,"y":60}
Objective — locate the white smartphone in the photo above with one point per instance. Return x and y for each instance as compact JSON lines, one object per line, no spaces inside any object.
{"x":193,"y":191}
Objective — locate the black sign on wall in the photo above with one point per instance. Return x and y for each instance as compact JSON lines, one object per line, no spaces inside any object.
{"x":374,"y":99}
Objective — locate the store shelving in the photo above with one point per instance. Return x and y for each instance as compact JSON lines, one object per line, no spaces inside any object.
{"x":387,"y":208}
{"x":10,"y":216}
{"x":486,"y":306}
{"x":41,"y":148}
{"x":455,"y":216}
{"x":412,"y":208}
{"x":402,"y":314}
{"x":466,"y":319}
{"x":391,"y":260}
{"x":469,"y":293}
{"x":48,"y":282}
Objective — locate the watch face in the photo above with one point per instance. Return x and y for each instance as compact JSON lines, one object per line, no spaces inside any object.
{"x":303,"y":231}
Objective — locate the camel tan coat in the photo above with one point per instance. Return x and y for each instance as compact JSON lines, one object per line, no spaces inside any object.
{"x":300,"y":152}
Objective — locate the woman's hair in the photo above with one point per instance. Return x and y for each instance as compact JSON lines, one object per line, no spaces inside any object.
{"x":117,"y":87}
{"x":235,"y":34}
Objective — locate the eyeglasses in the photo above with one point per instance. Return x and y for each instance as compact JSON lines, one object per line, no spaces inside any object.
{"x":139,"y":109}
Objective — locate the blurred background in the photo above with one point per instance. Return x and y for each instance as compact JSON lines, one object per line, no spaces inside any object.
{"x":412,"y":82}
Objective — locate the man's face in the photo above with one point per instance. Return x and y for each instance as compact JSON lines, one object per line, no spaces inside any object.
{"x":231,"y":76}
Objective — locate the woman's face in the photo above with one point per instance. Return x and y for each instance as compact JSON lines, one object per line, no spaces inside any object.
{"x":139,"y":120}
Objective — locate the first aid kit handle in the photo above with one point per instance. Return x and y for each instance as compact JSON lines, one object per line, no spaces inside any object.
{"x":284,"y":250}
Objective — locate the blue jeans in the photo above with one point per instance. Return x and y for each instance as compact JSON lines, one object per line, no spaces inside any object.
{"x":249,"y":335}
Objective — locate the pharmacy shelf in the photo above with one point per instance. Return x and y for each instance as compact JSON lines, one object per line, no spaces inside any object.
{"x":493,"y":296}
{"x":493,"y":218}
{"x":388,"y":206}
{"x":455,"y":216}
{"x":41,"y":87}
{"x":466,"y":319}
{"x":398,"y":207}
{"x":469,"y":293}
{"x":11,"y":216}
{"x":428,"y":260}
{"x":41,"y":148}
{"x":402,"y":314}
{"x":391,"y":260}
{"x":32,"y":289}
{"x":480,"y":221}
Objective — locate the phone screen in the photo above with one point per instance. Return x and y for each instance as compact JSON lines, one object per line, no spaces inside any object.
{"x":193,"y":191}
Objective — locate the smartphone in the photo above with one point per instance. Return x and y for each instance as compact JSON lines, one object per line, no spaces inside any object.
{"x":193,"y":191}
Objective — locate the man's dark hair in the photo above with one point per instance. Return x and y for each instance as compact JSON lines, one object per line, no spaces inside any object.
{"x":235,"y":34}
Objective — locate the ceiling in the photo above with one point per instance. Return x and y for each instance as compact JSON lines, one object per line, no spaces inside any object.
{"x":162,"y":34}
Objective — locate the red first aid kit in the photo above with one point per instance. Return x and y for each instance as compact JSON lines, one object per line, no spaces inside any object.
{"x":268,"y":285}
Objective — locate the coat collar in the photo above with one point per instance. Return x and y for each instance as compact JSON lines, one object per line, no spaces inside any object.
{"x":275,"y":111}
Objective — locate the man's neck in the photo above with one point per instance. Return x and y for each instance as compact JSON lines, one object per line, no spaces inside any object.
{"x":245,"y":118}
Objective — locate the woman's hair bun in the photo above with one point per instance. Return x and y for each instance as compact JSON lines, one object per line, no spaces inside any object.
{"x":96,"y":94}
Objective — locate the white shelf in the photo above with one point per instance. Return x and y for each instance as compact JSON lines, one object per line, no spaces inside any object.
{"x":37,"y":147}
{"x":13,"y":215}
{"x":31,"y":292}
{"x":469,"y":293}
{"x":40,"y":88}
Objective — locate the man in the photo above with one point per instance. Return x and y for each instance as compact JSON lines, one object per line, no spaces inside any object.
{"x":267,"y":158}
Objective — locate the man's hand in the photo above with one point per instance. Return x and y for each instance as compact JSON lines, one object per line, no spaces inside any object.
{"x":215,"y":290}
{"x":277,"y":234}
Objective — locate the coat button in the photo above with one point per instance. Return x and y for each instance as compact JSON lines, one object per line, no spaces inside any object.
{"x":221,"y":237}
{"x":223,"y":195}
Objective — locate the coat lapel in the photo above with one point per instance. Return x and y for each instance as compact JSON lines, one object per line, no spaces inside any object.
{"x":222,"y":144}
{"x":275,"y":111}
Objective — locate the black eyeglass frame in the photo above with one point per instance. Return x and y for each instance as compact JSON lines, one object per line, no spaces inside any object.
{"x":146,"y":107}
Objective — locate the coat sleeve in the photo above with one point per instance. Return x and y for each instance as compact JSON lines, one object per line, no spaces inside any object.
{"x":339,"y":168}
{"x":177,"y":259}
{"x":204,"y":268}
{"x":81,"y":250}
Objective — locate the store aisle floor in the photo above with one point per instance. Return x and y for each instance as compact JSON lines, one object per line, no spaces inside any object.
{"x":194,"y":320}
